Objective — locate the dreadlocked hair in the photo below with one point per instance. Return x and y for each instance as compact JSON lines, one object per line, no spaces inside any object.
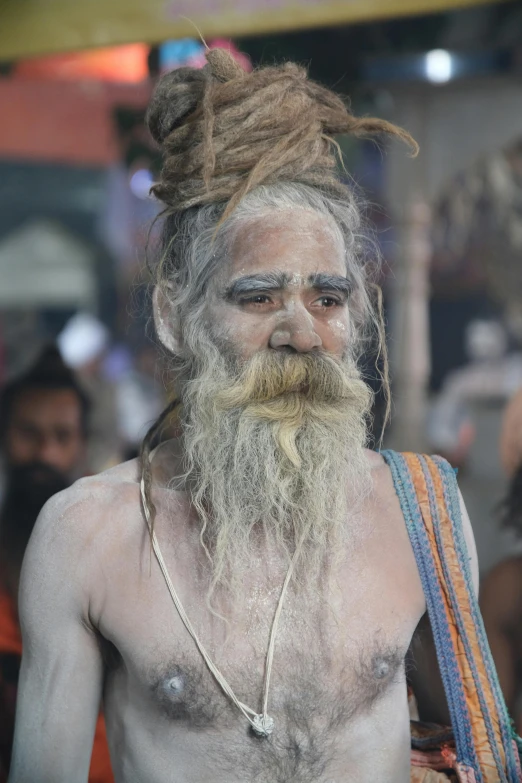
{"x":151,"y":439}
{"x":225,"y":132}
{"x":238,"y":146}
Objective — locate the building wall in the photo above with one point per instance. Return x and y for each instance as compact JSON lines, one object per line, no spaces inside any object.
{"x":63,"y":121}
{"x":454,"y":124}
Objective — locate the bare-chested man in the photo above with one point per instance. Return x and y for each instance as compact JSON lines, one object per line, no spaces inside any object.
{"x":265,"y":500}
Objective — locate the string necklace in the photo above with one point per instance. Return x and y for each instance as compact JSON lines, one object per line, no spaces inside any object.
{"x":261,"y":722}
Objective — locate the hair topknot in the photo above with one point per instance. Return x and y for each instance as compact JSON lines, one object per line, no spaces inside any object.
{"x":225,"y":131}
{"x":177,"y":95}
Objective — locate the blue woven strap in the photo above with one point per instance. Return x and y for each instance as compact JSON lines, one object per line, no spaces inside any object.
{"x":436,"y":594}
{"x":449,"y":670}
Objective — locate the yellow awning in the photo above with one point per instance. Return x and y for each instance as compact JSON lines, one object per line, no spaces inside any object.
{"x":33,"y":27}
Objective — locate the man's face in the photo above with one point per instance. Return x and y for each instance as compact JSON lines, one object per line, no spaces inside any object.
{"x":45,"y":426}
{"x":273,"y":407}
{"x":285,"y":288}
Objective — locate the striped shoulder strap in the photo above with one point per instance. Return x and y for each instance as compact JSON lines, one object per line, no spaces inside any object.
{"x":484,"y":738}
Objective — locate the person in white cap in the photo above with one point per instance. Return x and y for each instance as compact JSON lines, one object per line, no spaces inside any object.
{"x":83,"y":344}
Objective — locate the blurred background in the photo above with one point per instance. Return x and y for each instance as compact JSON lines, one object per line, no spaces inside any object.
{"x":76,"y":165}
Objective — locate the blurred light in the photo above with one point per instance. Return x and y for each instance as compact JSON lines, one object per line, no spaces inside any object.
{"x":439,"y":66}
{"x":124,"y":64}
{"x":183,"y":52}
{"x":141,"y":182}
{"x":191,"y":53}
{"x":83,"y":339}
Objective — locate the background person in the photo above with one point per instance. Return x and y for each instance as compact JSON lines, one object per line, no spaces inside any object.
{"x":44,"y":424}
{"x":84,"y":343}
{"x":44,"y":417}
{"x":29,"y":487}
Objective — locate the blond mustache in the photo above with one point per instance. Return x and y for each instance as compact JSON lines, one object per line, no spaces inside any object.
{"x":267,"y":376}
{"x":288,"y":391}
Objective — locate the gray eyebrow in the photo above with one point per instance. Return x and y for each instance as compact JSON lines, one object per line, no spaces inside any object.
{"x":277,"y":281}
{"x":326,"y":282}
{"x":271,"y":281}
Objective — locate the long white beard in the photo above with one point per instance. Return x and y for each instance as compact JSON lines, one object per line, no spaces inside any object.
{"x":275,"y":451}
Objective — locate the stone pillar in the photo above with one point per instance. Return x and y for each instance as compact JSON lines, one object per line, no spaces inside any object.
{"x":410,"y":337}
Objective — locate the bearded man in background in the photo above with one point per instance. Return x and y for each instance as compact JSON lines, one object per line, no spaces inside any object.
{"x":267,"y":638}
{"x":44,"y":427}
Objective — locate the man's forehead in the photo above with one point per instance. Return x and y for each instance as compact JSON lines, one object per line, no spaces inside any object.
{"x":34,"y":401}
{"x":294,"y":242}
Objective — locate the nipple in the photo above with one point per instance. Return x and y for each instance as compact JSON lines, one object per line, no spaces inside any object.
{"x":381,"y":668}
{"x":175,"y":684}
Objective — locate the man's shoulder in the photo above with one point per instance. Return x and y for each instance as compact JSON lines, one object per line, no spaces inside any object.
{"x":119,"y":483}
{"x":381,"y":475}
{"x":385,"y":503}
{"x":89,"y":512}
{"x":79,"y":532}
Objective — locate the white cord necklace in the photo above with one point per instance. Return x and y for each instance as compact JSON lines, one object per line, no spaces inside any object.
{"x":262,"y":724}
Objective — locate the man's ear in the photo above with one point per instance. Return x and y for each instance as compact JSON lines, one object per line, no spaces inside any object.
{"x":166,"y":321}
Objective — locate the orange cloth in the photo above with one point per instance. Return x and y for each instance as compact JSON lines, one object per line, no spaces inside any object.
{"x":11,"y":645}
{"x":458,"y":614}
{"x":10,"y":637}
{"x":101,"y":770}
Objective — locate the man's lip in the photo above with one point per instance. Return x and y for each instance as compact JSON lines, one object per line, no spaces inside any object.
{"x":303,"y":389}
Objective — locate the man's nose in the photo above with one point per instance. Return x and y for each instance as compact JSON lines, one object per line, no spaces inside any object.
{"x":49,"y":452}
{"x":296,"y":332}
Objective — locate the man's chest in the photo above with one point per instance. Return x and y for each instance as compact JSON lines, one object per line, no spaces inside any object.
{"x":306,"y":689}
{"x":329,"y":720}
{"x":337,"y":652}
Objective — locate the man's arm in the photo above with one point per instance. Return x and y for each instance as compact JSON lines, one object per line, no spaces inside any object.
{"x":424,"y":672}
{"x":61,"y":673}
{"x":501,"y":606}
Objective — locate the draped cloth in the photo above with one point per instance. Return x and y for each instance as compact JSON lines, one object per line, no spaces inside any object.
{"x":481,"y":745}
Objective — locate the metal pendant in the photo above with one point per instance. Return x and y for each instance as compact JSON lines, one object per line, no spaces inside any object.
{"x":262,"y":725}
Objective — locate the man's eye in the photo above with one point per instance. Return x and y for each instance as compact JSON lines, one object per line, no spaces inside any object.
{"x":258,"y":299}
{"x":328,"y":301}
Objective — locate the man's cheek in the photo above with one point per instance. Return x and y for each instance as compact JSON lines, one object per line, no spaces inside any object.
{"x":242,"y":336}
{"x":337,"y":336}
